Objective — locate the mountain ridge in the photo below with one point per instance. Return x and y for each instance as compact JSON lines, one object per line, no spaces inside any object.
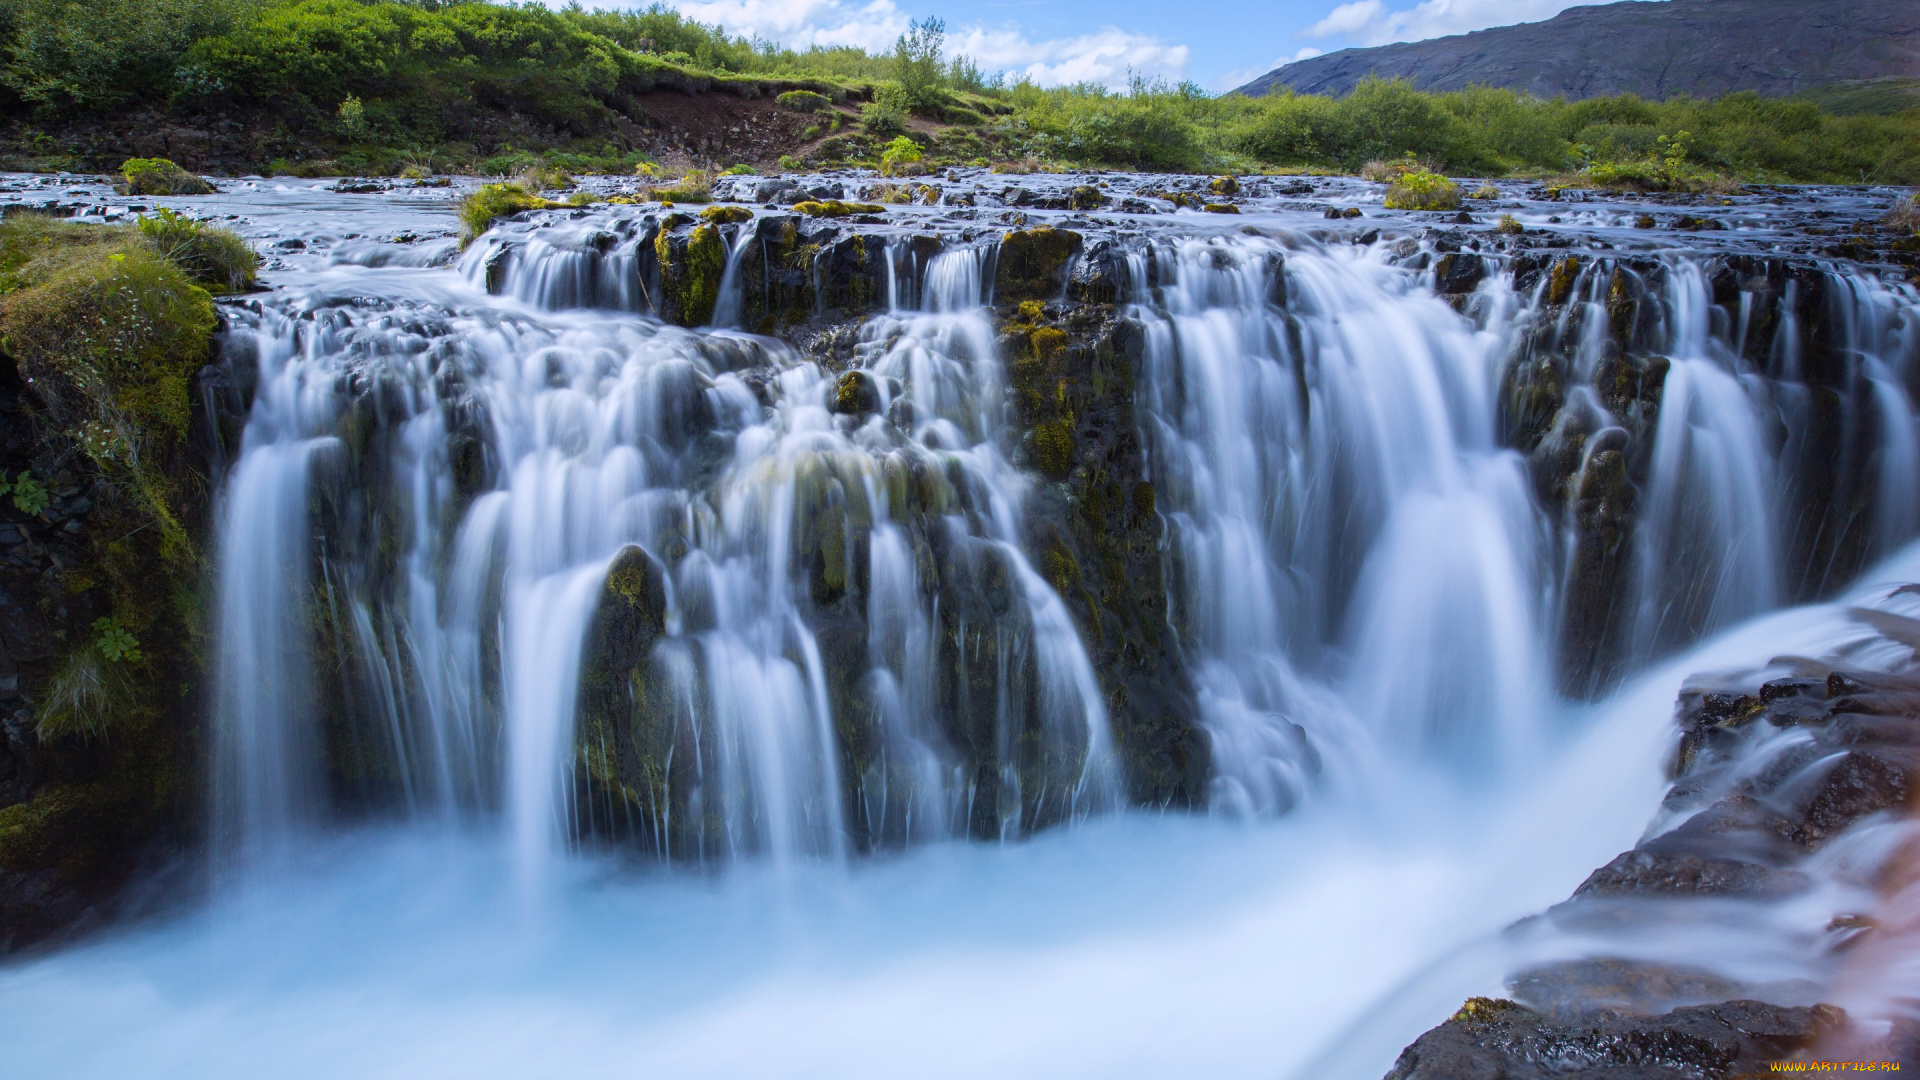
{"x":1654,"y":48}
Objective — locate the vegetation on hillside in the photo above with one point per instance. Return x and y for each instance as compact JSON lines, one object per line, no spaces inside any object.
{"x":384,"y":84}
{"x":102,"y":330}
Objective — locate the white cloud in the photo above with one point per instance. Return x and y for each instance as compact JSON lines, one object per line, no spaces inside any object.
{"x":1104,"y":56}
{"x":1368,"y":22}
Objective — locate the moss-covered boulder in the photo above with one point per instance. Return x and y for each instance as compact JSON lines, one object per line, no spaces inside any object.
{"x":158,"y":176}
{"x":1033,"y":263}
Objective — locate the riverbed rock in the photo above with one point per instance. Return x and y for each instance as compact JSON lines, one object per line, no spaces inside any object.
{"x":1496,"y":1039}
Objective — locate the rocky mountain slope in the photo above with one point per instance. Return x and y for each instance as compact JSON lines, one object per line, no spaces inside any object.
{"x":1654,"y":49}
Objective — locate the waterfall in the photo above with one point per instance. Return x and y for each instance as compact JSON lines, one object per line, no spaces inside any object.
{"x":1396,"y":520}
{"x":488,"y":467}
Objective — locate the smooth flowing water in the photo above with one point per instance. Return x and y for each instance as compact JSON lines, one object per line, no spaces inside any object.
{"x":452,"y":462}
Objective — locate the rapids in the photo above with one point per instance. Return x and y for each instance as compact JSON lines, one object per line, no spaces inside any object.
{"x":889,"y":829}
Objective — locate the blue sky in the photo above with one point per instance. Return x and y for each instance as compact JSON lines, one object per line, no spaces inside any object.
{"x":1216,"y":43}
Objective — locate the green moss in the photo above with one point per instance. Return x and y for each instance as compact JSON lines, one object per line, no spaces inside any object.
{"x":479,"y":210}
{"x":158,"y":176}
{"x":1419,"y":189}
{"x":1480,"y":1010}
{"x":726,"y":215}
{"x":1033,"y":263}
{"x":833,"y":208}
{"x":1220,"y":208}
{"x":690,"y":273}
{"x":1560,"y":281}
{"x":1053,"y":448}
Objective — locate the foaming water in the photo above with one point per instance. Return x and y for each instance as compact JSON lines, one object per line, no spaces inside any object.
{"x":1139,"y":945}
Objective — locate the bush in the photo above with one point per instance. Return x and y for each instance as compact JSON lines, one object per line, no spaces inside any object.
{"x":805,"y":101}
{"x":543,"y":177}
{"x":1905,"y":214}
{"x":215,"y":257}
{"x":1423,"y":190}
{"x":887,"y":113}
{"x":158,"y":176}
{"x":479,"y":210}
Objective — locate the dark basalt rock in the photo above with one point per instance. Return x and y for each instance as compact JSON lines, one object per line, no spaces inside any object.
{"x":1457,"y":274}
{"x":1494,"y":1039}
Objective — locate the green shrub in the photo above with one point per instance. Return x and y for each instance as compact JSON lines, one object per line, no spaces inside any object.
{"x":158,"y":176}
{"x":805,"y":101}
{"x":887,"y":113}
{"x":90,"y":56}
{"x":543,"y":177}
{"x":898,"y":155}
{"x":1423,"y":190}
{"x":479,"y":210}
{"x":215,"y":257}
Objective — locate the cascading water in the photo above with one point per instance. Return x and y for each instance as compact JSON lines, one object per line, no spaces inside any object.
{"x":513,"y":573}
{"x":532,"y":450}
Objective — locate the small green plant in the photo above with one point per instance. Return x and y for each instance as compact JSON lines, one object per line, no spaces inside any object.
{"x":1509,"y":226}
{"x":740,"y":170}
{"x":1485,"y":191}
{"x":804,"y":101}
{"x":29,"y":495}
{"x":898,"y":155}
{"x":1423,"y":190}
{"x":695,"y":187}
{"x":115,"y":642}
{"x":791,"y":164}
{"x":352,"y":117}
{"x":158,"y":176}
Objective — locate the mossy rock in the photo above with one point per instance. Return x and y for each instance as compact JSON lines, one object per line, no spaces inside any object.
{"x":1224,"y":185}
{"x":833,"y":208}
{"x":1220,"y":208}
{"x":726,"y":215}
{"x":481,"y":209}
{"x":1561,"y":279}
{"x":1086,"y":197}
{"x":158,"y":176}
{"x":855,"y":394}
{"x":1033,"y":263}
{"x":690,"y":270}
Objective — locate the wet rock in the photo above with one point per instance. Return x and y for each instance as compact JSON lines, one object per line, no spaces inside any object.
{"x":854,"y":394}
{"x":1584,"y":988}
{"x":1032,"y":264}
{"x":1100,"y":276}
{"x":1493,"y":1039}
{"x":1651,"y":873}
{"x":1457,"y":274}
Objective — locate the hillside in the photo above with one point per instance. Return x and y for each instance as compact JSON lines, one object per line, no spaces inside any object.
{"x":1657,"y":50}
